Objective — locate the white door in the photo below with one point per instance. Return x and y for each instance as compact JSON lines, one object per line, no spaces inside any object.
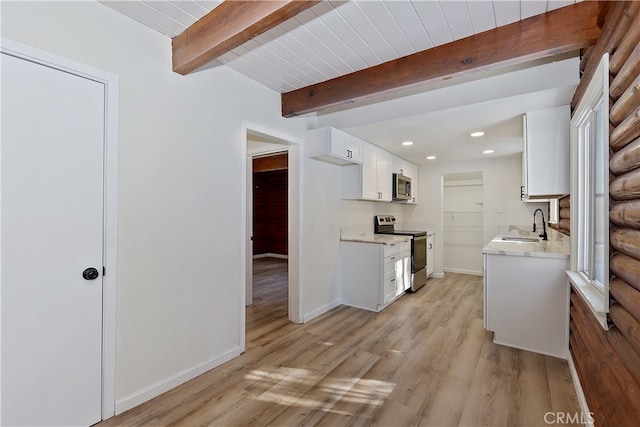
{"x":51,"y":232}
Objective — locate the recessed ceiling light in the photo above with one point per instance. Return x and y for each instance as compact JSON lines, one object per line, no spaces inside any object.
{"x":477,"y":134}
{"x":407,"y":143}
{"x":487,"y":152}
{"x":431,"y":157}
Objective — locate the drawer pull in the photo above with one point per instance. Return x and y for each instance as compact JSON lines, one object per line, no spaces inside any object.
{"x":393,"y":257}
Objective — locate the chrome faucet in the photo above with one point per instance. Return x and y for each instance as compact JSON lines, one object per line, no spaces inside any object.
{"x":544,"y":225}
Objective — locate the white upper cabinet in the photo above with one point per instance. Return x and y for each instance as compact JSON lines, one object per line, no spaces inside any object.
{"x":403,"y":167}
{"x":545,"y":160}
{"x":334,"y":146}
{"x":372,"y":179}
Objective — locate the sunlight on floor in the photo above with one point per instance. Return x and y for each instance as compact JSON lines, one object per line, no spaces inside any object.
{"x":304,"y":388}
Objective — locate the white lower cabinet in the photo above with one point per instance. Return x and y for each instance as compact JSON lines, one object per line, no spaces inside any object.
{"x":526,"y":302}
{"x":430,"y":252}
{"x":374,"y":274}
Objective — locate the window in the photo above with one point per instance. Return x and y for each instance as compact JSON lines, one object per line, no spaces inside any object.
{"x":590,"y":194}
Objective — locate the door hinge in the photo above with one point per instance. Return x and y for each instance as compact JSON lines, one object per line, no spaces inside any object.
{"x":104,"y":270}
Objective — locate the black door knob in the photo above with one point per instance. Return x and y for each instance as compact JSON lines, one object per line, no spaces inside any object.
{"x":90,"y":273}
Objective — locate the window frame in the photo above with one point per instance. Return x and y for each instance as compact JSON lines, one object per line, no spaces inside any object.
{"x":587,"y":129}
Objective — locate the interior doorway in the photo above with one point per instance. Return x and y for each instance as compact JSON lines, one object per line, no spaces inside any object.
{"x":267,"y":305}
{"x":462,"y":217}
{"x":271,"y":291}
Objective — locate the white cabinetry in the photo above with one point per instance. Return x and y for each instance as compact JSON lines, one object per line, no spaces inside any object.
{"x":374,"y":274}
{"x":430,"y":252}
{"x":526,"y":302}
{"x":372,"y":179}
{"x":409,"y":169}
{"x":545,"y":160}
{"x":334,"y":146}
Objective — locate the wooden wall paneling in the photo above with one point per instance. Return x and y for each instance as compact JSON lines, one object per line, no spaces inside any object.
{"x":271,"y":163}
{"x":565,"y":213}
{"x":565,"y":225}
{"x":605,"y":43}
{"x":615,"y":386}
{"x":602,"y":355}
{"x":270,"y":207}
{"x":565,"y":202}
{"x":627,"y":354}
{"x":628,"y":102}
{"x":629,"y":41}
{"x":628,"y":326}
{"x":627,"y":74}
{"x":626,"y":131}
{"x":586,"y":363}
{"x":626,"y":159}
{"x":589,"y":355}
{"x":626,"y":268}
{"x":586,"y":57}
{"x":626,"y":240}
{"x":626,"y":186}
{"x":609,"y":38}
{"x":626,"y":295}
{"x":626,"y":214}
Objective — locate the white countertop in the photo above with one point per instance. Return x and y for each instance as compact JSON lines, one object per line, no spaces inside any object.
{"x":558,"y":245}
{"x":383,"y":239}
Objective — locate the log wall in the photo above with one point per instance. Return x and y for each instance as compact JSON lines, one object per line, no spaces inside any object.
{"x":608,"y":362}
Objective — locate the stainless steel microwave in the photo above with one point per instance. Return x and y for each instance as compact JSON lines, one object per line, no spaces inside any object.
{"x":401,"y":187}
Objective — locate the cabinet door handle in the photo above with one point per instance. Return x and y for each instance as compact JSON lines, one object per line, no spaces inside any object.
{"x":393,"y":280}
{"x":393,"y":257}
{"x":430,"y":246}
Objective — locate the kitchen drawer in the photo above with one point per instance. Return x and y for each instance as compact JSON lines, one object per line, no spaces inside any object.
{"x":391,"y":249}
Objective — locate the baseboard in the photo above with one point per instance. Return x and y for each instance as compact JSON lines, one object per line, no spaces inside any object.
{"x":437,"y":275}
{"x":320,"y":310}
{"x":461,"y":271}
{"x":148,"y":393}
{"x":584,"y":407}
{"x":271,"y":255}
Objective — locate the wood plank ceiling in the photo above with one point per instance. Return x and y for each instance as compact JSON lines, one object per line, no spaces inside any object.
{"x":334,"y":38}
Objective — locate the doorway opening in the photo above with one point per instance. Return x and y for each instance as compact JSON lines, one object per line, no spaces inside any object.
{"x":462,"y":217}
{"x":267,"y":305}
{"x":271,"y":291}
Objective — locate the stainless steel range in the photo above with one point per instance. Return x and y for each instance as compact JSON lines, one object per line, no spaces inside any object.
{"x":385,"y":224}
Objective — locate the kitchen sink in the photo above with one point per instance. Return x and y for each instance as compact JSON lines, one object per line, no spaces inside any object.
{"x":519,"y":239}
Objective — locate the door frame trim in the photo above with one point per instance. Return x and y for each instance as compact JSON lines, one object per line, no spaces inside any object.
{"x":110,"y":219}
{"x":293,"y":145}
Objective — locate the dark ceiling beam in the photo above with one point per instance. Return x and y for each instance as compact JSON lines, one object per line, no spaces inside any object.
{"x":226,"y":27}
{"x":563,"y":30}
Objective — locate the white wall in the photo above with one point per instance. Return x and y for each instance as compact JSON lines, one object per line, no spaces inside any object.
{"x":180,"y":146}
{"x":502,"y":178}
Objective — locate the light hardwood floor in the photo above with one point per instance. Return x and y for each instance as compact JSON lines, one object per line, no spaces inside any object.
{"x":425,"y":360}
